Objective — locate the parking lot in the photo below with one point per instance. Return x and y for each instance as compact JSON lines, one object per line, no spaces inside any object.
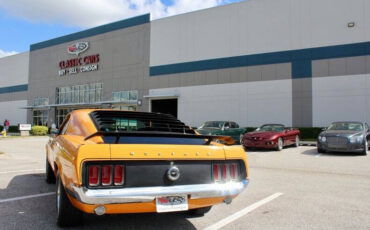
{"x":296,"y":188}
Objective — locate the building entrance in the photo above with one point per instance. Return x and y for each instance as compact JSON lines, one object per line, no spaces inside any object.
{"x":168,"y":106}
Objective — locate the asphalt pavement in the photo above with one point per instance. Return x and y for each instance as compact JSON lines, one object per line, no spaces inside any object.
{"x":296,"y":188}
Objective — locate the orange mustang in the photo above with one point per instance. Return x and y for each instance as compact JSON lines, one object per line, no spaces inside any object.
{"x":109,"y":161}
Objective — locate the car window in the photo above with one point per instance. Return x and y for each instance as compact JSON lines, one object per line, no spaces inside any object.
{"x":123,"y":124}
{"x":64,"y":126}
{"x":351,"y":126}
{"x":64,"y":130}
{"x":233,"y":125}
{"x":212,"y":124}
{"x":227,"y":125}
{"x":275,"y":128}
{"x":366,"y":127}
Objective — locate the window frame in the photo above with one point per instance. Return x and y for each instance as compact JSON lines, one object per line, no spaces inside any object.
{"x":63,"y":128}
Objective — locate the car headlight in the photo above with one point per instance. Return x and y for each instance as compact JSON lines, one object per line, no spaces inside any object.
{"x":356,"y":139}
{"x":319,"y":138}
{"x":323,"y":139}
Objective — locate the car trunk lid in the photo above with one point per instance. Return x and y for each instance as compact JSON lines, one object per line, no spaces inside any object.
{"x":166,"y":151}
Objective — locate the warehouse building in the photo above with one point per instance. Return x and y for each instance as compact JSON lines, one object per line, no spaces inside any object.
{"x":302,"y":63}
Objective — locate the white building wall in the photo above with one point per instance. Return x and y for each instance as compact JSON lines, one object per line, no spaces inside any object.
{"x":11,"y":110}
{"x":249,"y":103}
{"x":14,"y":70}
{"x":340,"y":98}
{"x":257,"y":26}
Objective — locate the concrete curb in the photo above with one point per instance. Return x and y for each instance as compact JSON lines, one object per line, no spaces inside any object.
{"x":307,"y":143}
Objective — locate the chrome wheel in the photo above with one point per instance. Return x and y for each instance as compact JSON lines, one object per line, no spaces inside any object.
{"x":280,"y":144}
{"x":58,"y":198}
{"x":297,"y":141}
{"x":366,"y":148}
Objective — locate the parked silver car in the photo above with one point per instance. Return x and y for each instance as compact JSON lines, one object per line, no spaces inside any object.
{"x":344,"y":136}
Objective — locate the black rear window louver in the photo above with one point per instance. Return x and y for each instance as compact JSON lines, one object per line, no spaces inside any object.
{"x":128,"y":121}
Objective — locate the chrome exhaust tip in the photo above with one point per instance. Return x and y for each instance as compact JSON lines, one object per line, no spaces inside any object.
{"x":228,"y":200}
{"x":100,"y":210}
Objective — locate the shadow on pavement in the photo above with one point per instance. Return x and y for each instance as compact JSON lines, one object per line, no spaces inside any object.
{"x":263,"y":150}
{"x":40,"y":212}
{"x":313,"y":152}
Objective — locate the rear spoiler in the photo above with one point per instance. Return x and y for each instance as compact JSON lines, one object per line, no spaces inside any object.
{"x":223,"y":139}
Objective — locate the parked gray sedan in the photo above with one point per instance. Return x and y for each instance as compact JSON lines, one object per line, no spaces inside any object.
{"x":344,"y":137}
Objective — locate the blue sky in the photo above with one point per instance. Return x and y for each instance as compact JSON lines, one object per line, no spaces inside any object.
{"x":25,"y":22}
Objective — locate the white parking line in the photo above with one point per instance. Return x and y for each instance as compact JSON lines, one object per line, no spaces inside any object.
{"x":318,"y":155}
{"x":26,"y":197}
{"x":243,"y":212}
{"x":20,"y":171}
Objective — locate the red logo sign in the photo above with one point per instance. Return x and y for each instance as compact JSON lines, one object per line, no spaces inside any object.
{"x":78,"y":48}
{"x":79,"y":61}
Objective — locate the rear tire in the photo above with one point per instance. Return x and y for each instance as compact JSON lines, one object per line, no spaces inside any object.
{"x":200,"y":211}
{"x":50,"y":176}
{"x":67,"y":214}
{"x":280,"y":144}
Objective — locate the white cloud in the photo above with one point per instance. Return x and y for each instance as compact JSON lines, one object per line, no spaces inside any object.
{"x":89,"y":13}
{"x":6,"y":53}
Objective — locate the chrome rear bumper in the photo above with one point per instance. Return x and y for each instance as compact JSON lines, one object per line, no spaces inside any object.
{"x":148,"y":194}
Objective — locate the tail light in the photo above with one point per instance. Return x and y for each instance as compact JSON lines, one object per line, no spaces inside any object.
{"x":234,"y":171}
{"x":216,"y":172}
{"x":105,"y":175}
{"x":118,"y":175}
{"x":94,"y":174}
{"x":225,"y":172}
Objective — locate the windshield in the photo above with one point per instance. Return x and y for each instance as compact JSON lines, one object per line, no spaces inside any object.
{"x":212,"y":124}
{"x":275,"y":128}
{"x":351,"y":126}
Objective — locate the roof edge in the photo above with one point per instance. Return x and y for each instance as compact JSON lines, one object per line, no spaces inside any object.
{"x":134,"y":21}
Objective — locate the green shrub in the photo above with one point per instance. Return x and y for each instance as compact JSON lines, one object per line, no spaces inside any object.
{"x":250,"y":129}
{"x":310,"y":132}
{"x":39,"y":130}
{"x":13,"y":129}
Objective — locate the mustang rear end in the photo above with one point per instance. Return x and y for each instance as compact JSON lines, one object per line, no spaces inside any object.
{"x":107,"y":161}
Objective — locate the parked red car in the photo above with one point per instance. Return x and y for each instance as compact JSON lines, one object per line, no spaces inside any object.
{"x":271,"y":136}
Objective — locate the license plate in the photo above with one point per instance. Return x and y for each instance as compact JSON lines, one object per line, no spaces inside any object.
{"x":331,"y":146}
{"x":172,"y":203}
